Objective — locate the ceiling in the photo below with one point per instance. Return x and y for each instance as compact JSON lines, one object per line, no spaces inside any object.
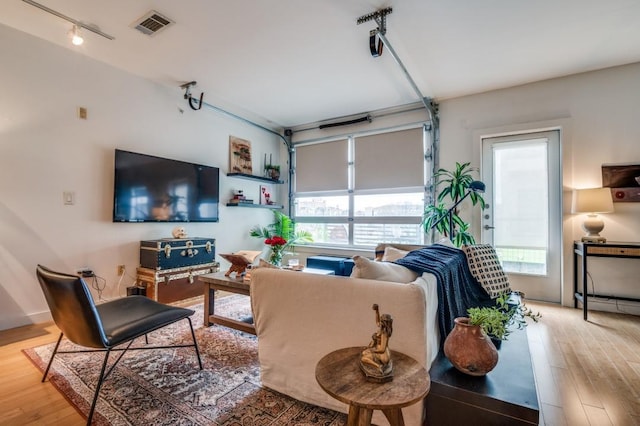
{"x":289,"y":62}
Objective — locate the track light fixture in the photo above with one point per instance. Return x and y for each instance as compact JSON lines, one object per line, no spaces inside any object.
{"x":76,"y":37}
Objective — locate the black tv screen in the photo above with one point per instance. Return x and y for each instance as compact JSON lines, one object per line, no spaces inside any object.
{"x":154,"y":189}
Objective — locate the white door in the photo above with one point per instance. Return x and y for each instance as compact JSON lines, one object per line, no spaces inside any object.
{"x":523,"y":220}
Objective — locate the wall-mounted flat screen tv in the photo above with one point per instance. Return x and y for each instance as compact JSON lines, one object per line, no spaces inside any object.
{"x":154,"y":189}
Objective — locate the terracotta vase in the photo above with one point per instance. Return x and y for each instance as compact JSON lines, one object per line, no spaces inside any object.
{"x":469,"y":349}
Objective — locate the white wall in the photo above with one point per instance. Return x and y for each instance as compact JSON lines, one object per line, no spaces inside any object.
{"x":45,"y":150}
{"x":598,"y":115}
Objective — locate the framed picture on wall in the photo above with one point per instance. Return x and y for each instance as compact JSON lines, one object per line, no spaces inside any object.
{"x":239,"y":156}
{"x":266,"y":195}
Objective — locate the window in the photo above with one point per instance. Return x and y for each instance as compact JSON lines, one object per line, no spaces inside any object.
{"x":362,"y":190}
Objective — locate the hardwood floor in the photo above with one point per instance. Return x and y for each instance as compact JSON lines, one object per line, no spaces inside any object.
{"x":587,"y":373}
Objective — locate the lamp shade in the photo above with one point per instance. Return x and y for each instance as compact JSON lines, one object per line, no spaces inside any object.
{"x":593,"y":200}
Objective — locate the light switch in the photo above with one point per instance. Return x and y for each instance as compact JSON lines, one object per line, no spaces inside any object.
{"x":69,"y":198}
{"x":82,"y":113}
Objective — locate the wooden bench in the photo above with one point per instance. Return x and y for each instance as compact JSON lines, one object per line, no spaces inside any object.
{"x":505,"y":396}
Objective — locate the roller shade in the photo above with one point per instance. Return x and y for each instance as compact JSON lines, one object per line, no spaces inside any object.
{"x":322,"y":167}
{"x":389,"y":160}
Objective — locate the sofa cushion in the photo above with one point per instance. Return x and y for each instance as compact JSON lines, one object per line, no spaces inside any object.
{"x":379,"y":250}
{"x":486,"y":268}
{"x":392,"y":253}
{"x":381,"y":271}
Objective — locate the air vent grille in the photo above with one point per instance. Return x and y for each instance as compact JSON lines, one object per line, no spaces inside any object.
{"x":152,"y":23}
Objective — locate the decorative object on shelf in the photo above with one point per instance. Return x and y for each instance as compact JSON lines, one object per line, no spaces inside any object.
{"x":469,"y":348}
{"x":458,"y":185}
{"x":283,"y":228}
{"x":239,"y":198}
{"x":375,"y":359}
{"x":271,"y":171}
{"x":266,"y":192}
{"x":592,"y":201}
{"x":179,"y":232}
{"x":239,"y":155}
{"x":239,"y":261}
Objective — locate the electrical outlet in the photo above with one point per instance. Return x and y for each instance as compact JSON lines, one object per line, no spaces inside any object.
{"x":85,"y":272}
{"x":120,"y":270}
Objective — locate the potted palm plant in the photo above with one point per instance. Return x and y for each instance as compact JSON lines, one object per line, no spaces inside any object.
{"x":453,"y":187}
{"x":280,"y":236}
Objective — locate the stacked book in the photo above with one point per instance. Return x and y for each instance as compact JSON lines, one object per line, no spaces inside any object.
{"x":240,"y":201}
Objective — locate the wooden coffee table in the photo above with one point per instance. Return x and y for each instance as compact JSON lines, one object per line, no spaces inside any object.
{"x":218,"y":281}
{"x":338,"y":373}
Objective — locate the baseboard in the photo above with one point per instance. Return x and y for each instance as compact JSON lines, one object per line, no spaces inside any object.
{"x":33,"y":318}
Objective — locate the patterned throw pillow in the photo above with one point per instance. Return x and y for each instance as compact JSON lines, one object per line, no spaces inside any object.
{"x":485,"y":267}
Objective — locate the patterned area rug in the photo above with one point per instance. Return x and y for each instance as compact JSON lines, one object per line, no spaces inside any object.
{"x":165,"y":386}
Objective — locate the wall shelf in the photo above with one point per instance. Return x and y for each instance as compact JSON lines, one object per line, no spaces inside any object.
{"x":254,"y":177}
{"x":256,"y":206}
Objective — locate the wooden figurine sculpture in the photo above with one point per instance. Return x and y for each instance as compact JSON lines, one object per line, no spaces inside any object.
{"x":375,"y":359}
{"x":239,"y":261}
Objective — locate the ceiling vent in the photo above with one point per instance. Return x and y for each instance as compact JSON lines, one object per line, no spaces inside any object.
{"x":152,"y":23}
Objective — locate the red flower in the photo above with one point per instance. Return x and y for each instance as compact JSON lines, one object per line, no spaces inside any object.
{"x":275,"y":241}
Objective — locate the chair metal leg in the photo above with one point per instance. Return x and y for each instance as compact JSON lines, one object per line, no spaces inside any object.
{"x":98,"y":386}
{"x":55,"y":350}
{"x":195,"y":342}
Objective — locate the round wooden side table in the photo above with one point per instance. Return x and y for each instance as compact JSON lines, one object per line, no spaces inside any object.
{"x":338,"y":373}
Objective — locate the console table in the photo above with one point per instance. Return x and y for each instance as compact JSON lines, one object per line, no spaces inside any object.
{"x":609,"y":249}
{"x":505,"y":396}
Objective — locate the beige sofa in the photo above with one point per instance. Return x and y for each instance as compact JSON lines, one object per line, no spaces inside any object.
{"x":300,"y":317}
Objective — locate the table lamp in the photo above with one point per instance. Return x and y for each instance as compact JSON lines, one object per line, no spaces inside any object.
{"x":592,"y":201}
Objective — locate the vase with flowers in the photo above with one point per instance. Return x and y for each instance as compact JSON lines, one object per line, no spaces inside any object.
{"x":280,"y":236}
{"x":277,"y":249}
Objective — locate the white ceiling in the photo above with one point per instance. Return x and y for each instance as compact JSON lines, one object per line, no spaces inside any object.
{"x":290,"y":62}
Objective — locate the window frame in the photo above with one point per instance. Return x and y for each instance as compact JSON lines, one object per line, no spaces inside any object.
{"x":351,"y":220}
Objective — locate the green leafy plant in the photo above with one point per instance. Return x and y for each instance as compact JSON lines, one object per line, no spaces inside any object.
{"x":496,"y":321}
{"x":453,"y":187}
{"x":280,"y":236}
{"x":272,"y":171}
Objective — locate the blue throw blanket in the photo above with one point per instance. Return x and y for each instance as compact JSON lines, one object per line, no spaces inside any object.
{"x":458,"y":290}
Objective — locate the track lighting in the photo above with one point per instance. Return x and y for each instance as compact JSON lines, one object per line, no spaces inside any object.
{"x":76,"y":37}
{"x":74,"y":33}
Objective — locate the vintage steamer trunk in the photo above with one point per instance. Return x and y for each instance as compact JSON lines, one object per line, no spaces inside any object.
{"x":170,"y":285}
{"x":171,"y":253}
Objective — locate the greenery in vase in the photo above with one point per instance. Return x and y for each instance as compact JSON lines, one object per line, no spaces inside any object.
{"x":280,"y":236}
{"x":454,"y":185}
{"x":496,"y":320}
